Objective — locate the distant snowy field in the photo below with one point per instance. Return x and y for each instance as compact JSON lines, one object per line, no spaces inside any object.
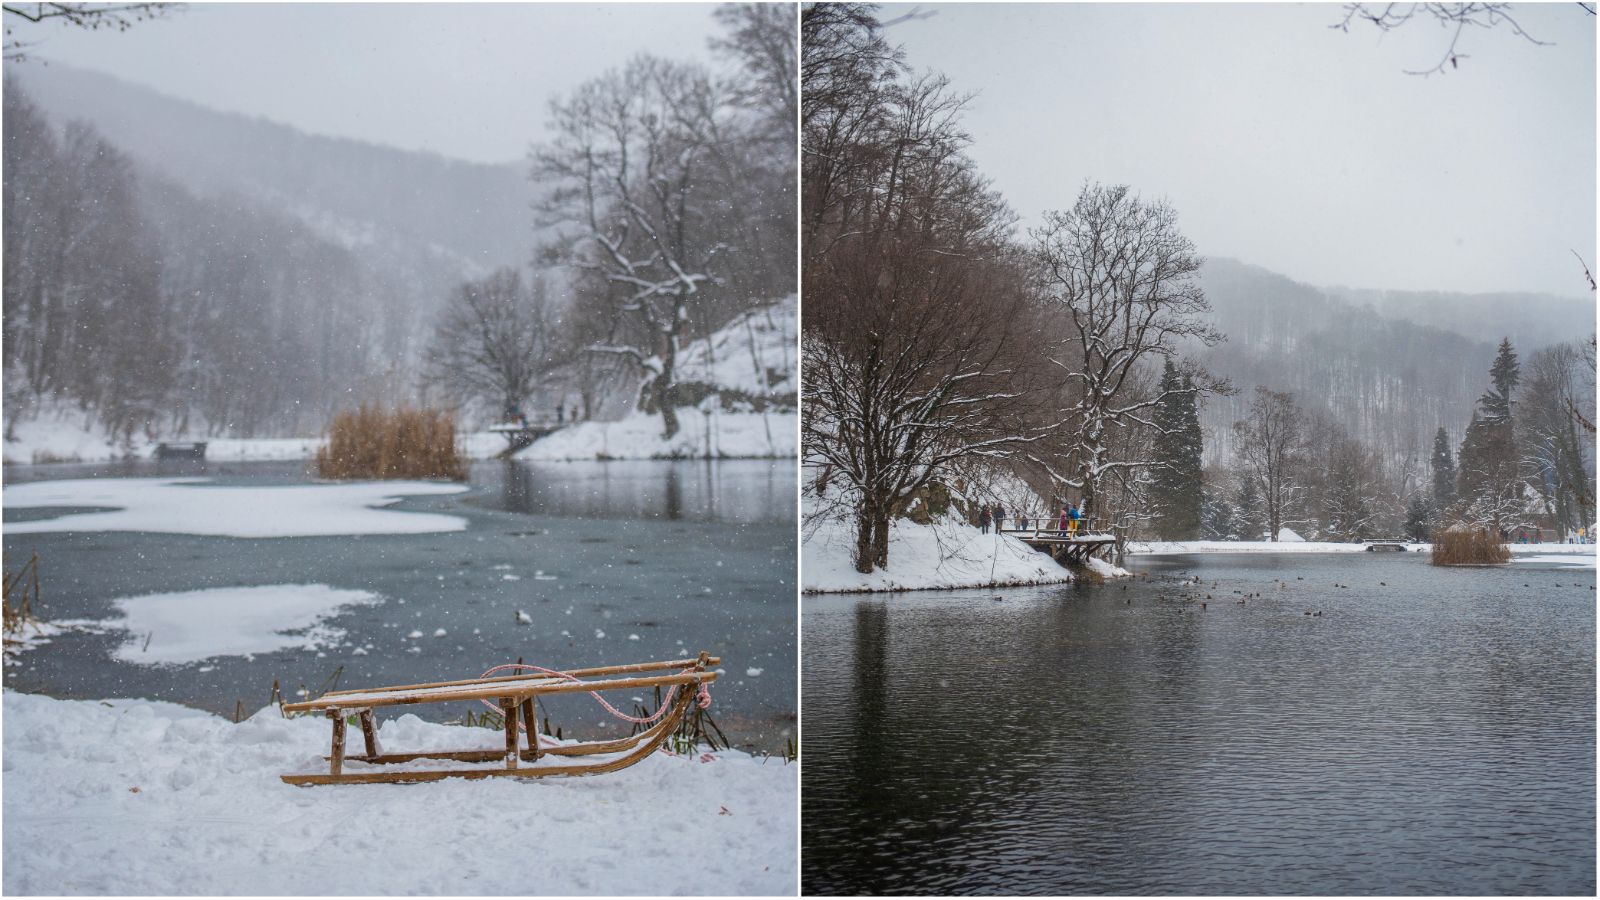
{"x":947,"y":554}
{"x":141,"y":797}
{"x":1563,"y":554}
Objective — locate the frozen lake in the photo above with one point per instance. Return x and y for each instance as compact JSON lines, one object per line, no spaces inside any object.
{"x":1432,"y":732}
{"x":613,"y":562}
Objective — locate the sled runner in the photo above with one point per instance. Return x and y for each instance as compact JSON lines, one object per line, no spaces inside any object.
{"x":685,"y":681}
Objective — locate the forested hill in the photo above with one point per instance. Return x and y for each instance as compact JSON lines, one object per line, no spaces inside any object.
{"x":281,"y":275}
{"x":1392,"y":367}
{"x":356,"y":193}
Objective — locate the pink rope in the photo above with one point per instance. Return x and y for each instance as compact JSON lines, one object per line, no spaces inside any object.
{"x":702,"y":696}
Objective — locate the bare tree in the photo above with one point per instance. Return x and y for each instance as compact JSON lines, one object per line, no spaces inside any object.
{"x":492,"y":343}
{"x":1453,"y":18}
{"x":1123,"y":278}
{"x":90,"y":16}
{"x":1269,"y":445}
{"x":635,"y":188}
{"x":911,"y":367}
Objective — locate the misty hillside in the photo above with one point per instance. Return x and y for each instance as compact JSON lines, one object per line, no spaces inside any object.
{"x":360,"y":194}
{"x":1392,"y":377}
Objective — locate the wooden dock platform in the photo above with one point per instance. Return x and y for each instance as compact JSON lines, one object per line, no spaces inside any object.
{"x":1065,"y":549}
{"x":519,"y":436}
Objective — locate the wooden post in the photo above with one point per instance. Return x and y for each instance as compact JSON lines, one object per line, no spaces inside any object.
{"x":508,"y":710}
{"x":529,"y":725}
{"x":336,"y":761}
{"x":370,"y":733}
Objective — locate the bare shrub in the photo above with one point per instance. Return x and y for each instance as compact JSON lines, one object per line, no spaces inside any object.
{"x":1460,"y":545}
{"x":403,"y":443}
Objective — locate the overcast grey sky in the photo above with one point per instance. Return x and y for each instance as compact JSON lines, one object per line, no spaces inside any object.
{"x":465,"y":80}
{"x":1288,"y":144}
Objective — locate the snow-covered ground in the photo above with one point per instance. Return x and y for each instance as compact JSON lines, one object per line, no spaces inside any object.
{"x":141,"y":797}
{"x":700,"y":436}
{"x":192,"y":506}
{"x":947,"y":554}
{"x":756,"y":352}
{"x":1565,"y":554}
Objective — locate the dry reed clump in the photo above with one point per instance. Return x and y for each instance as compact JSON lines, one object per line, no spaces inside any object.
{"x":21,"y":593}
{"x":1460,"y":545}
{"x":405,"y":443}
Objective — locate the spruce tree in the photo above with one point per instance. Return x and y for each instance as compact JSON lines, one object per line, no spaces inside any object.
{"x":1496,"y":402}
{"x":1419,"y":518}
{"x":1250,"y":513}
{"x":1177,"y":451}
{"x":1444,"y":473}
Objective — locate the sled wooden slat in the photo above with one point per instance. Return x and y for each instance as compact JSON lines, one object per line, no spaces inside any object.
{"x":515,"y":697}
{"x":578,"y":673}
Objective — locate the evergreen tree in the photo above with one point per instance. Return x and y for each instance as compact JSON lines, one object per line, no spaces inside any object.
{"x":1496,"y":402}
{"x":1444,"y":473}
{"x":1251,"y":513}
{"x":1219,"y":521}
{"x":1175,"y":467}
{"x":1490,"y":476}
{"x":1419,"y":518}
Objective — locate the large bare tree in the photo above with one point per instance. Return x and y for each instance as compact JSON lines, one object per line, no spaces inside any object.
{"x":635,"y":188}
{"x":1269,"y":443}
{"x":493,"y":342}
{"x":1122,"y":278}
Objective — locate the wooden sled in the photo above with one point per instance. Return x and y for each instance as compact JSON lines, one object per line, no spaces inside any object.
{"x":515,"y":695}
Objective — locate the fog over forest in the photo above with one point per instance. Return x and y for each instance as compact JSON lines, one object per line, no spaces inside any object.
{"x":178,"y":270}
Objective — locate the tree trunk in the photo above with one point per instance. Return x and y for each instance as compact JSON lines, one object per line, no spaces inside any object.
{"x":866,"y":530}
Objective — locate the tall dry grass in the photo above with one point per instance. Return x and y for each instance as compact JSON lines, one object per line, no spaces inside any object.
{"x":1460,"y":545}
{"x":21,"y":592}
{"x":403,"y":443}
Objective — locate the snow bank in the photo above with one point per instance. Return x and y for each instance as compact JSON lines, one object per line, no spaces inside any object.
{"x":139,"y":797}
{"x":190,"y":626}
{"x":947,"y":554}
{"x":700,"y":436}
{"x":757,"y":352}
{"x":1157,"y":548}
{"x":1570,"y":554}
{"x":191,"y":506}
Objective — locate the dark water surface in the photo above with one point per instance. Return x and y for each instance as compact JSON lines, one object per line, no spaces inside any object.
{"x":684,"y":555}
{"x":1433,"y":732}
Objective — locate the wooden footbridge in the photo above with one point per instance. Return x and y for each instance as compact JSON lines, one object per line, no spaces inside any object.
{"x":519,"y":435}
{"x":1066,"y":547}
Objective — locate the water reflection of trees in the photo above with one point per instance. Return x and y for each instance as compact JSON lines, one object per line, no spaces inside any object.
{"x":989,"y":742}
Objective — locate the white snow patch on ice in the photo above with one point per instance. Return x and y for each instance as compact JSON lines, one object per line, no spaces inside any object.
{"x":208,"y":790}
{"x":193,"y":506}
{"x":190,"y":626}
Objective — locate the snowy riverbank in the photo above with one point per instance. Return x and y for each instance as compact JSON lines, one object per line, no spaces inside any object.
{"x":1565,"y":554}
{"x":721,"y":435}
{"x":948,"y":554}
{"x":143,"y":797}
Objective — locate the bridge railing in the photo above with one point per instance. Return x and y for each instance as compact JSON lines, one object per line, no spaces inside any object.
{"x":1040,"y":526}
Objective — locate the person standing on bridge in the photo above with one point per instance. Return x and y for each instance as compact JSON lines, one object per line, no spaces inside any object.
{"x":1065,"y":518}
{"x":984,"y":519}
{"x":1072,"y":520}
{"x":999,"y":517}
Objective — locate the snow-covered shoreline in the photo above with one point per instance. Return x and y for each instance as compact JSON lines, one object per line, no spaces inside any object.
{"x":1574,"y":552}
{"x":947,"y":555}
{"x":638,"y":437}
{"x":131,"y":796}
